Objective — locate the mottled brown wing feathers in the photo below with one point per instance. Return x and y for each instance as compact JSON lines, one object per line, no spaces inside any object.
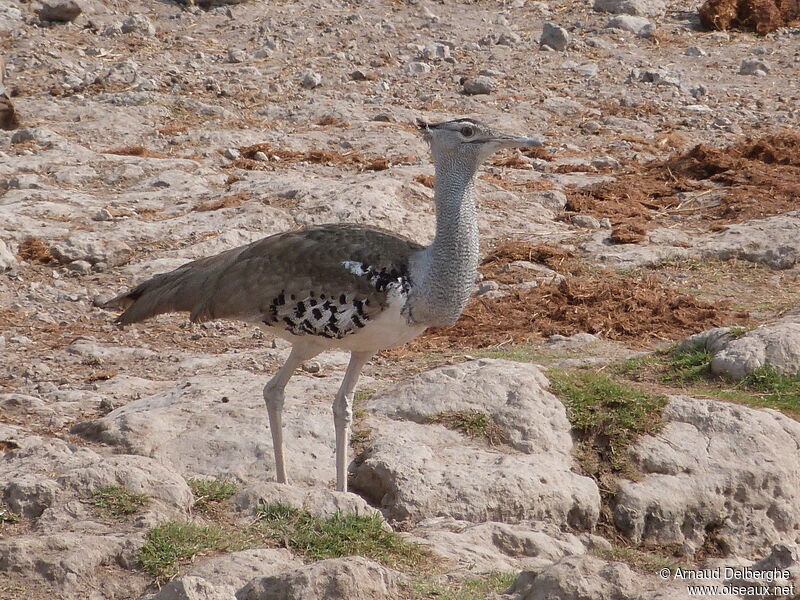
{"x":242,"y":282}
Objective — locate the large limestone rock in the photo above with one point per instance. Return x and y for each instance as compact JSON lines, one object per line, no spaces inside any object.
{"x":416,"y":470}
{"x":51,"y":481}
{"x":216,"y":426}
{"x":644,"y":8}
{"x":499,"y":547}
{"x":577,"y":578}
{"x":231,"y":572}
{"x":776,"y":346}
{"x":74,"y":564}
{"x":220,"y":577}
{"x":737,"y":355}
{"x":351,"y":578}
{"x":321,"y":503}
{"x":719,"y":474}
{"x":189,"y":588}
{"x":772,"y":241}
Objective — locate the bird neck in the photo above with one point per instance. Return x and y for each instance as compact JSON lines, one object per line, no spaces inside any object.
{"x":448,"y":267}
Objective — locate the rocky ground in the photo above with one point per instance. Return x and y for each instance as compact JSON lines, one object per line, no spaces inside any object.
{"x":566,"y":439}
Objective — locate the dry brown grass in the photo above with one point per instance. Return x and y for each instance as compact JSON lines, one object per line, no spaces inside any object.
{"x":228,"y":201}
{"x":761,"y":16}
{"x":426,"y":180}
{"x":136,"y":151}
{"x":33,"y":249}
{"x":495,"y":265}
{"x":753,"y":178}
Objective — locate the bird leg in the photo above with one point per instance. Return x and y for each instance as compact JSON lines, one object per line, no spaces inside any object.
{"x":343,"y":414}
{"x":273,"y":397}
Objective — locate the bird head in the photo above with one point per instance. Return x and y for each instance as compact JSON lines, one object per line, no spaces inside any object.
{"x":469,"y":140}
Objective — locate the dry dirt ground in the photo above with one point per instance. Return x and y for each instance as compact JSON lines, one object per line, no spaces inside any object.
{"x":201,"y":135}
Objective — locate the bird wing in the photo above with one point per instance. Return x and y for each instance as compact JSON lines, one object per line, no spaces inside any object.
{"x":345,"y":272}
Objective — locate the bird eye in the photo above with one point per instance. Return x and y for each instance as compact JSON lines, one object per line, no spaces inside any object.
{"x":467,"y":131}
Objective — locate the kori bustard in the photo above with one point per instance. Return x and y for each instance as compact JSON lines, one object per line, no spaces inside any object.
{"x":342,"y":286}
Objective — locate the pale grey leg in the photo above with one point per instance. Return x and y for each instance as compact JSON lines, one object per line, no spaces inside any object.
{"x":273,"y":397}
{"x":343,"y":414}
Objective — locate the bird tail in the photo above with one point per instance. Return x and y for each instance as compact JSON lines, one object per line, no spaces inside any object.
{"x":186,"y":289}
{"x":163,"y":293}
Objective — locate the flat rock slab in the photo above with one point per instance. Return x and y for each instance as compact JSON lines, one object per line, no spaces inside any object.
{"x":319,"y":502}
{"x":74,"y":563}
{"x":220,"y":577}
{"x":416,"y":470}
{"x":216,"y":426}
{"x":52,"y":482}
{"x":774,"y":242}
{"x":718,"y":473}
{"x":351,"y":578}
{"x":737,"y":354}
{"x":497,"y":547}
{"x":578,"y":577}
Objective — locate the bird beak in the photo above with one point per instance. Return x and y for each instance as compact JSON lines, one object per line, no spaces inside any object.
{"x":509,"y":141}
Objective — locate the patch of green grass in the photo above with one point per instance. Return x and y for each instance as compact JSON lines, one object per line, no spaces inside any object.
{"x":359,"y":437}
{"x":690,"y":372}
{"x":607,"y":417}
{"x":6,"y":516}
{"x":774,"y":389}
{"x":167,"y":545}
{"x":359,"y":398}
{"x":340,"y":535}
{"x":473,"y":423}
{"x":209,"y":492}
{"x":118,"y":501}
{"x":644,"y":561}
{"x":362,"y":395}
{"x":631,"y":366}
{"x":473,"y":588}
{"x":687,"y":366}
{"x":738,"y":331}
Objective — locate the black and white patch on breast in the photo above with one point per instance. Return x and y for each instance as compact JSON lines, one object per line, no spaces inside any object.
{"x":334,"y":316}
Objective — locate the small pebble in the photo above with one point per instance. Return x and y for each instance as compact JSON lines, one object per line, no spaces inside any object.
{"x":695,"y":51}
{"x":138,"y":23}
{"x":102,"y":215}
{"x":605,"y":162}
{"x":311,"y":80}
{"x":80,"y":266}
{"x":754,"y":66}
{"x":637,"y":25}
{"x":585,"y":221}
{"x":417,"y":68}
{"x":311,"y":366}
{"x":509,"y":39}
{"x":237,"y":56}
{"x":487,"y":286}
{"x":479,"y":85}
{"x":554,"y":36}
{"x":232,"y":153}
